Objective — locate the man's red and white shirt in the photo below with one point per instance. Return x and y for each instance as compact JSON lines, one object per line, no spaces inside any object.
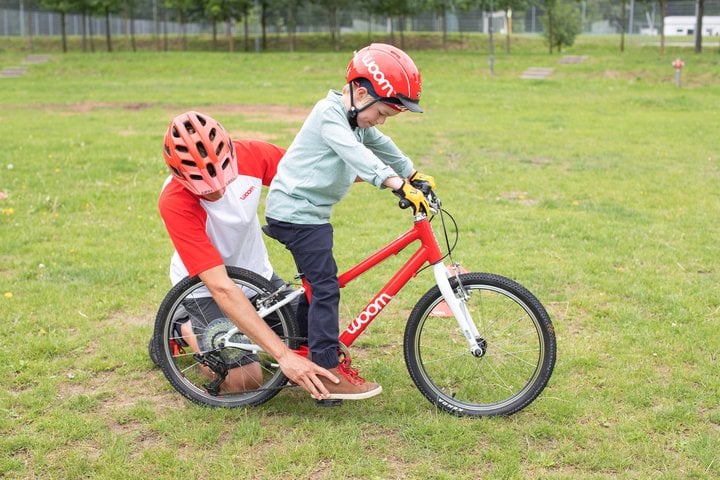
{"x":227,"y":231}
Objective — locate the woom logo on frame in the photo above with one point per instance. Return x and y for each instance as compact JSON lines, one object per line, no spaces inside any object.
{"x":369,"y":313}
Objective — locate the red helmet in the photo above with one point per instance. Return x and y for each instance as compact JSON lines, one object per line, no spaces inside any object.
{"x":391,"y":72}
{"x":199,"y":153}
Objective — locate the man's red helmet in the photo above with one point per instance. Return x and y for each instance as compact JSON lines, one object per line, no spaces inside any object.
{"x":391,"y":72}
{"x":199,"y":153}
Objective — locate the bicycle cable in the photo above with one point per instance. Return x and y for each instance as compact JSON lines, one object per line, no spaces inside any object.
{"x":445,"y":234}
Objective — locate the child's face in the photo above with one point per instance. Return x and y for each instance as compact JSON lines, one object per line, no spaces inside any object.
{"x":375,"y":115}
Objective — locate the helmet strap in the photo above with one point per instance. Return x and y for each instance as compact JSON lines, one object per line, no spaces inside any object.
{"x":353,"y":113}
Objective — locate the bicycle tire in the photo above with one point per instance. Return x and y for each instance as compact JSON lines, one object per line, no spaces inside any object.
{"x":519,"y":348}
{"x":184,"y":370}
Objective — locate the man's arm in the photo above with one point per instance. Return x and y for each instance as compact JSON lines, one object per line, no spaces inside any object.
{"x":240,"y":311}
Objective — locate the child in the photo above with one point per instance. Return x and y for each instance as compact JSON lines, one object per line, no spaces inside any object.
{"x":337,"y":145}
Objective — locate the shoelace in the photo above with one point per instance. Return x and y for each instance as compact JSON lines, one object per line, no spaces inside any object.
{"x":352,"y":375}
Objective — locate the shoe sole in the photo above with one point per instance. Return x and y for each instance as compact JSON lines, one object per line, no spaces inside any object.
{"x":354,"y":396}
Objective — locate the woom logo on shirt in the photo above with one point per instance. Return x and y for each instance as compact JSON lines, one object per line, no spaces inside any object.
{"x":247,"y":194}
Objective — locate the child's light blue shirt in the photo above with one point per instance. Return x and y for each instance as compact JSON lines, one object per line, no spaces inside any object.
{"x":323,"y":161}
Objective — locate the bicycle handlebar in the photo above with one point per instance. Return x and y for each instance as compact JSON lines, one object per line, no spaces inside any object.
{"x":430,"y":196}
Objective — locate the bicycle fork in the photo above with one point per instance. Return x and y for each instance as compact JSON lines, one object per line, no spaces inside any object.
{"x":459,"y":310}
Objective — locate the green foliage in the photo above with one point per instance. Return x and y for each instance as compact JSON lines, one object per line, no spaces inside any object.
{"x":561,"y":24}
{"x":596,"y":188}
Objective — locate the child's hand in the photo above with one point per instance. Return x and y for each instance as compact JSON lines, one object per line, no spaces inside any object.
{"x":418,"y":179}
{"x":412,"y":197}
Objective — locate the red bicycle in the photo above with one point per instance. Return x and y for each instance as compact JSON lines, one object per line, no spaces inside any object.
{"x":476,"y":344}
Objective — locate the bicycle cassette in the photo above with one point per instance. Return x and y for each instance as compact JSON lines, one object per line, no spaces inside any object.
{"x":210,"y":340}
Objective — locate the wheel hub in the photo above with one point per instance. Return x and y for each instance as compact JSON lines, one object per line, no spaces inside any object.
{"x":210,"y":340}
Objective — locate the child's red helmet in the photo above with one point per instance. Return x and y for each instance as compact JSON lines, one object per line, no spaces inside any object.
{"x":199,"y":153}
{"x":391,"y":72}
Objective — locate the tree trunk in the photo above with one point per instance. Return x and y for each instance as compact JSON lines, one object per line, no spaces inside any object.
{"x":91,"y":34}
{"x":132,"y":29}
{"x":246,"y":32}
{"x":622,"y":25}
{"x":263,"y":25}
{"x":214,"y":34}
{"x":84,"y":31}
{"x":231,"y":38}
{"x":63,"y":33}
{"x":508,"y":19}
{"x":699,"y":12}
{"x":29,"y":39}
{"x":291,"y":27}
{"x":108,"y":40}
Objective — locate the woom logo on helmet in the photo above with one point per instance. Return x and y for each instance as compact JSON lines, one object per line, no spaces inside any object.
{"x":378,"y":74}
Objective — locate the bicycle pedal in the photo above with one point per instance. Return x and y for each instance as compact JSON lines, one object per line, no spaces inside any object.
{"x":332,"y":402}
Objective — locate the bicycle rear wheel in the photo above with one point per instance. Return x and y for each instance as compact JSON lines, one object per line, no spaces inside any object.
{"x":517,"y":337}
{"x":198,"y":373}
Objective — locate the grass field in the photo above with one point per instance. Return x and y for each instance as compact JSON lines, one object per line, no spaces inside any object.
{"x":597,"y":188}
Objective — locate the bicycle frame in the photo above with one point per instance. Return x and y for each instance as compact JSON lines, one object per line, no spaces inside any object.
{"x":428,"y":251}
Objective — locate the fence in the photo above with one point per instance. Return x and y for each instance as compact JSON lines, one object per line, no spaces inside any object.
{"x":641,"y":17}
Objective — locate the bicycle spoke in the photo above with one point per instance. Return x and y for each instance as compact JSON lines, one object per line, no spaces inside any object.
{"x":513,"y":366}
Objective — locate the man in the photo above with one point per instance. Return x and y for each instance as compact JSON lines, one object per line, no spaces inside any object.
{"x":209,"y":207}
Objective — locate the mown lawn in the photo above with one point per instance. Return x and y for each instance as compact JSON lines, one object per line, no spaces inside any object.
{"x":597,"y":188}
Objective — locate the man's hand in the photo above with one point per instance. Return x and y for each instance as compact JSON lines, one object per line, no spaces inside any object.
{"x":304,"y":373}
{"x":414,"y":197}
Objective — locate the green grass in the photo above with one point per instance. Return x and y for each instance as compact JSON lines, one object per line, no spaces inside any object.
{"x":597,"y":188}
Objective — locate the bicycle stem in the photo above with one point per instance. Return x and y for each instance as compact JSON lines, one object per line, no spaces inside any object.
{"x":459,"y":310}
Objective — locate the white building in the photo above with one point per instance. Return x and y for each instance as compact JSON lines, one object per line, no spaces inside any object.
{"x":685,"y":25}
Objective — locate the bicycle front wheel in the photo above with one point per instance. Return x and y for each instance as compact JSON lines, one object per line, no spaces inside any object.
{"x":517,"y":340}
{"x":188,"y":344}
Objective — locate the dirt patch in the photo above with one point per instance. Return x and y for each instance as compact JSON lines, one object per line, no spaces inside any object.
{"x":522,"y":198}
{"x":284,"y":113}
{"x":118,"y":394}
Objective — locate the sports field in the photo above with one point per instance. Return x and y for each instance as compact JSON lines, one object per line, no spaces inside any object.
{"x":597,"y":187}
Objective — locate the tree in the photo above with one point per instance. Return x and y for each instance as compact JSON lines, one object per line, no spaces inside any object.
{"x":130,"y":8}
{"x":440,"y":8}
{"x":391,"y":9}
{"x":63,"y":7}
{"x":663,"y":12}
{"x":508,"y":6}
{"x":699,"y":13}
{"x":184,"y":9}
{"x":334,"y":10}
{"x":623,"y":10}
{"x":561,"y":24}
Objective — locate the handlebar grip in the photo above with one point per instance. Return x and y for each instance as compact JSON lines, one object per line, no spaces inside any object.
{"x":404,"y":203}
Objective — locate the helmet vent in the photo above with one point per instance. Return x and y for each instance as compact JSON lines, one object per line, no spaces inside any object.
{"x":201,"y":149}
{"x":195,"y":176}
{"x":211,"y":170}
{"x":181,"y":148}
{"x":226,"y":163}
{"x":189,"y":127}
{"x":167,"y":150}
{"x":175,"y":133}
{"x":219,"y":148}
{"x":189,"y":163}
{"x":212,"y":134}
{"x":202,"y":120}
